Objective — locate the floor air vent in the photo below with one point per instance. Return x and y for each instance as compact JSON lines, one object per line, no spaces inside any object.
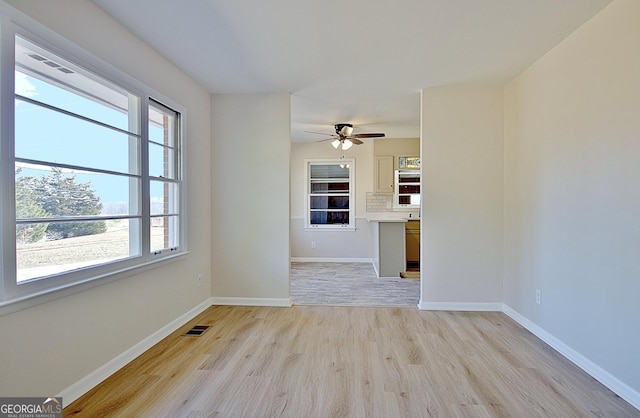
{"x":197,"y":330}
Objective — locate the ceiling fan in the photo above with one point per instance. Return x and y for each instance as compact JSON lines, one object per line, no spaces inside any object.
{"x":344,"y":137}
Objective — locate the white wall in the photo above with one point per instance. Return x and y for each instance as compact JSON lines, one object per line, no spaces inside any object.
{"x":572,"y":191}
{"x":250,"y":188}
{"x":571,"y":204}
{"x":46,"y":349}
{"x":345,"y":245}
{"x":462,"y":175}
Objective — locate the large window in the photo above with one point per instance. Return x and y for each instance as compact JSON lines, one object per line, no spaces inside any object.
{"x":164,"y":169}
{"x":96,"y":185}
{"x":330,"y":194}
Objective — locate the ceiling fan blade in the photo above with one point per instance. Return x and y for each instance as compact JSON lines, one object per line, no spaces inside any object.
{"x":321,"y":133}
{"x":328,"y":139}
{"x":369,"y":135}
{"x":355,"y":141}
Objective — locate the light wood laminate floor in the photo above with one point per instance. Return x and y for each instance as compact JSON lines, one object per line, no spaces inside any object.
{"x":321,"y":361}
{"x":351,"y":284}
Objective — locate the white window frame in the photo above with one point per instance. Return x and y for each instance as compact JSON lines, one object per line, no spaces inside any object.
{"x":14,"y":296}
{"x":351,"y":226}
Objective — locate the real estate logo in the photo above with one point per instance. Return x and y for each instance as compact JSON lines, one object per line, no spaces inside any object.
{"x":32,"y":407}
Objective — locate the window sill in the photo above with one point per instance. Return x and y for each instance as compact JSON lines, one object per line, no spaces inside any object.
{"x":330,"y":228}
{"x":37,"y":298}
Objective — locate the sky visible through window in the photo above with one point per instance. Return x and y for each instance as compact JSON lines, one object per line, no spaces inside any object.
{"x":43,"y":134}
{"x":72,"y":121}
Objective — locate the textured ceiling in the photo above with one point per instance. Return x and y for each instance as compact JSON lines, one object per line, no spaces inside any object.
{"x":353,"y":61}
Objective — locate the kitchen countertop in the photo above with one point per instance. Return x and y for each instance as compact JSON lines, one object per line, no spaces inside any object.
{"x":389,"y":237}
{"x":392,"y":216}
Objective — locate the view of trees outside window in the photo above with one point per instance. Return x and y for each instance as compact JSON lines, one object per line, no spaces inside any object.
{"x":78,"y":177}
{"x":55,"y":195}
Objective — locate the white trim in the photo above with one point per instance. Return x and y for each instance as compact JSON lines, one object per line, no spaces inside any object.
{"x":301,"y":218}
{"x":351,"y":164}
{"x":460,"y":306}
{"x":276,"y":302}
{"x":33,"y":299}
{"x":616,"y":385}
{"x":91,"y":380}
{"x":330,"y":229}
{"x":15,"y":297}
{"x":330,"y":260}
{"x":378,"y":274}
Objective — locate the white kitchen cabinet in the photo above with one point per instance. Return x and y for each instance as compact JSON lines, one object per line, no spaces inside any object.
{"x":383,"y":171}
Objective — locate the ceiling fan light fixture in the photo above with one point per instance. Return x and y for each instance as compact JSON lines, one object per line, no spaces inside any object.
{"x":344,"y":129}
{"x":343,"y":139}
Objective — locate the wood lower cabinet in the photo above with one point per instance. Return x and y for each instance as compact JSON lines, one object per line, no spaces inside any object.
{"x":412,"y":244}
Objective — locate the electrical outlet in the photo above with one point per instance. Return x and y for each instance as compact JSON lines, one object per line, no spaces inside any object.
{"x":199,"y":279}
{"x":313,"y":244}
{"x":538,"y":296}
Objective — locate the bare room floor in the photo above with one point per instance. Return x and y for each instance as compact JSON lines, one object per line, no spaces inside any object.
{"x":352,"y":284}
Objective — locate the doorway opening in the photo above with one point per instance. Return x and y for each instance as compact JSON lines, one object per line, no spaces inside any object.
{"x":350,"y":283}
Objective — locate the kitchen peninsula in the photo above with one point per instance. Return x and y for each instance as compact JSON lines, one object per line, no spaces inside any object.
{"x":389,"y":253}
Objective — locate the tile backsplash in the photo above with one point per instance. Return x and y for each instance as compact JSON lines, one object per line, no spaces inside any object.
{"x":379,"y":202}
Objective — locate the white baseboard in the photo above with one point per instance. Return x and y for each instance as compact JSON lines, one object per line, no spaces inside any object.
{"x":597,"y":372}
{"x":91,"y":380}
{"x":330,"y":260}
{"x":459,"y":306}
{"x":278,"y":302}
